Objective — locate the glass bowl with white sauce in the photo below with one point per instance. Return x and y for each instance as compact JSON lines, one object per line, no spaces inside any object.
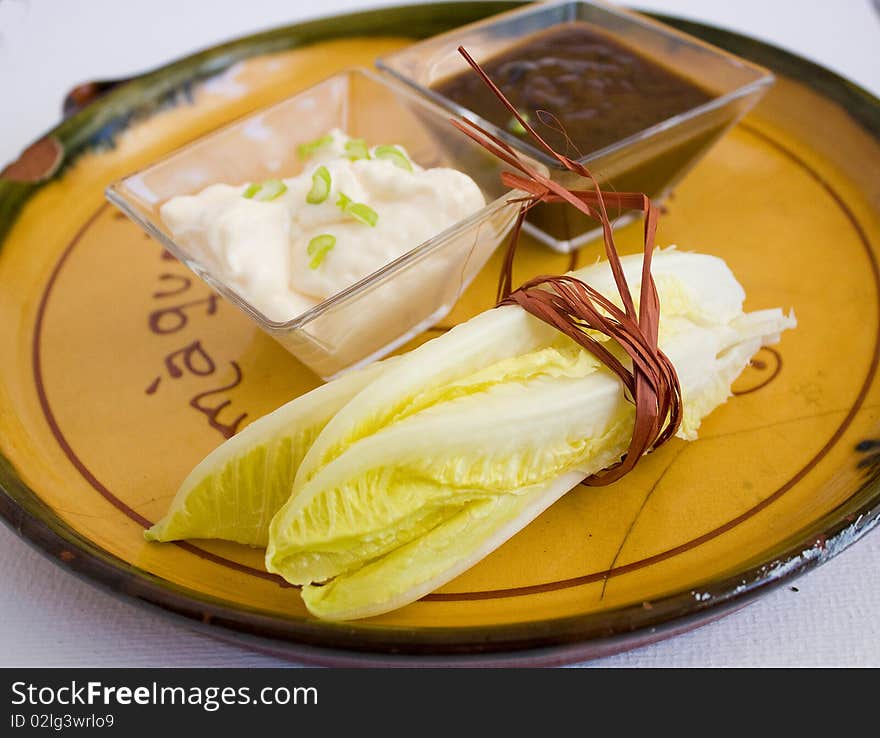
{"x":344,"y":220}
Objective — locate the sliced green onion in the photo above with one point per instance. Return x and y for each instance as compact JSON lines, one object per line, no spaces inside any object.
{"x":514,"y":126}
{"x":271,"y":189}
{"x":356,"y":148}
{"x":320,"y":186}
{"x":265,"y":191}
{"x":363,"y":213}
{"x":357,"y":210}
{"x":394,"y":155}
{"x":323,"y":241}
{"x":305,"y":150}
{"x":319,"y":247}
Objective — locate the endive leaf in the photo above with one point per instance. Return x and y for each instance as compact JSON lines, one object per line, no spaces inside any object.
{"x":420,"y":470}
{"x":237,"y":489}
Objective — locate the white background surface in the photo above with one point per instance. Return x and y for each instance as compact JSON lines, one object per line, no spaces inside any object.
{"x":48,"y":618}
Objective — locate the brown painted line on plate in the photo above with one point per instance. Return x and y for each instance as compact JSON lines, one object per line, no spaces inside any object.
{"x":720,"y":530}
{"x":767,"y":380}
{"x":528,"y":589}
{"x":36,"y":356}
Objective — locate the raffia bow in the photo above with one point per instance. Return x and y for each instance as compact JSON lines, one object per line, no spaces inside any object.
{"x":574,"y":308}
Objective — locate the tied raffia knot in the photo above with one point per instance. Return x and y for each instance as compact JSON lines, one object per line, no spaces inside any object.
{"x":576,"y":309}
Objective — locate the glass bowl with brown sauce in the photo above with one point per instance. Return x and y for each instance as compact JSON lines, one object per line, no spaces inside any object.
{"x":634,"y":100}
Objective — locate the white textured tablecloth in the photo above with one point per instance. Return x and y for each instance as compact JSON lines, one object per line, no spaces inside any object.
{"x":49,"y":618}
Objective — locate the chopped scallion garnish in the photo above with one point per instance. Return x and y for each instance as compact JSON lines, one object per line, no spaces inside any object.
{"x":305,"y":150}
{"x":320,"y":186}
{"x":319,"y":247}
{"x":271,"y":189}
{"x":514,"y":126}
{"x":265,"y":191}
{"x":363,"y":213}
{"x":356,"y":148}
{"x":357,"y":210}
{"x":394,"y":155}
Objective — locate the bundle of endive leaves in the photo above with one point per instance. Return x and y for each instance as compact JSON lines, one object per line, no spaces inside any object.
{"x":380,"y":486}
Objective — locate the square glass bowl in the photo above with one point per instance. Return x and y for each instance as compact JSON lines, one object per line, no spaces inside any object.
{"x":387,"y":308}
{"x":652,"y":160}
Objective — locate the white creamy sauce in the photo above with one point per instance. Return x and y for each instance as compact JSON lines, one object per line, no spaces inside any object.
{"x":260,"y":248}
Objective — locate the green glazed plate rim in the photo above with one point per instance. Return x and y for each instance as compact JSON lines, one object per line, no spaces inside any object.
{"x":546,"y":642}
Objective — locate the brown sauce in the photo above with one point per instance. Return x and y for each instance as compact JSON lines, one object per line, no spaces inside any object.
{"x":598,"y":89}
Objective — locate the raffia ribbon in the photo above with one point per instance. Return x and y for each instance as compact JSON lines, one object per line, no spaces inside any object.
{"x":574,"y":308}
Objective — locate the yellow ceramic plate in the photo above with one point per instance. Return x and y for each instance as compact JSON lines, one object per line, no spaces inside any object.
{"x":121,"y":370}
